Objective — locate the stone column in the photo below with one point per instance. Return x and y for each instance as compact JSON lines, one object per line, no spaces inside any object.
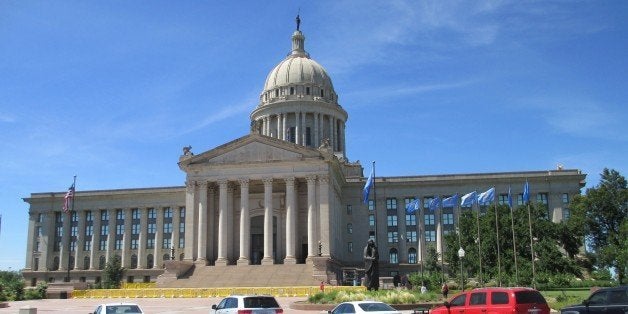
{"x":64,"y":253}
{"x":303,"y":129}
{"x":291,"y":222}
{"x":141,"y":246}
{"x":202,"y":224}
{"x":284,"y":117}
{"x":176,"y":221}
{"x":332,"y":139}
{"x":324,"y":220}
{"x":222,"y":223}
{"x":245,"y":223}
{"x":80,"y":239}
{"x":312,"y":241}
{"x":126,"y":242}
{"x":268,"y":222}
{"x":190,"y":195}
{"x":111,"y":236}
{"x":278,"y":135}
{"x":32,"y":238}
{"x":342,"y":139}
{"x":93,"y":256}
{"x":159,"y":238}
{"x":316,"y":135}
{"x":211,"y":223}
{"x":297,"y":128}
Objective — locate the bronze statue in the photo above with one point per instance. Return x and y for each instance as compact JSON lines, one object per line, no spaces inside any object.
{"x":371,"y":267}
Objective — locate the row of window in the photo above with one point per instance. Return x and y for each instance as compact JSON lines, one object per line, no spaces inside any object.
{"x":293,"y":90}
{"x":104,"y":214}
{"x":102,"y":262}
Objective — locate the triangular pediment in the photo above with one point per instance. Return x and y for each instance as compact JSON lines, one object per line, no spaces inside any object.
{"x":252,"y":148}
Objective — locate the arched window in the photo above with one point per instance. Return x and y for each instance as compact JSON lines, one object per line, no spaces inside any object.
{"x":149,"y":261}
{"x":393,"y":256}
{"x":133,"y":261}
{"x":411,"y":255}
{"x":86,"y":262}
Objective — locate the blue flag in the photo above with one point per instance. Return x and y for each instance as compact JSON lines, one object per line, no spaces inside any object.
{"x":509,"y":198}
{"x":367,"y":188}
{"x":451,"y":201}
{"x":526,"y":193}
{"x":434,"y":203}
{"x":487,"y":197}
{"x":413,"y":207}
{"x":468,"y":199}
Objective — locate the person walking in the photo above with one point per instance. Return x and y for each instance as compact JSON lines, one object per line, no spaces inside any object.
{"x":445,"y":290}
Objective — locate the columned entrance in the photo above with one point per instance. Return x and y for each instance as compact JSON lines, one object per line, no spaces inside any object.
{"x":257,"y":240}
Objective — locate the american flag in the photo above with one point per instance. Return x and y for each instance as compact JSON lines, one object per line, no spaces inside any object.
{"x":69,"y":196}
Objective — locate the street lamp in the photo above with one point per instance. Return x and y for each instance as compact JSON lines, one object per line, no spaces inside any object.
{"x":461,"y":256}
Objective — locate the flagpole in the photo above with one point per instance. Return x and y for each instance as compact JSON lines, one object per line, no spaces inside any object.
{"x":375,"y":205}
{"x":499,"y":264}
{"x":477,"y":219}
{"x":440,"y":221}
{"x":531,"y":247}
{"x":70,"y":226}
{"x":514,"y":243}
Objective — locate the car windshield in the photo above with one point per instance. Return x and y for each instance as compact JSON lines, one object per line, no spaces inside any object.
{"x":527,"y":297}
{"x":374,"y":307}
{"x":260,"y":302}
{"x":116,"y":309}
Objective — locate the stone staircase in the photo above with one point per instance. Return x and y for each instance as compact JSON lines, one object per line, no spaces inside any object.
{"x":245,"y":276}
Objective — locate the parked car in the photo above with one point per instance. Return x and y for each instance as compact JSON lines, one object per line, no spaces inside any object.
{"x":605,"y":300}
{"x":118,"y":308}
{"x":247,"y":304}
{"x":495,"y":300}
{"x":371,"y":307}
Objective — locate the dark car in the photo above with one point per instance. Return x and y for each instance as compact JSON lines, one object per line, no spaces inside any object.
{"x":495,"y":300}
{"x":606,"y":300}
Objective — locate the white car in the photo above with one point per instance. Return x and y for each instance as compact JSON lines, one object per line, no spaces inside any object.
{"x":118,"y":308}
{"x":371,"y":307}
{"x":250,"y":304}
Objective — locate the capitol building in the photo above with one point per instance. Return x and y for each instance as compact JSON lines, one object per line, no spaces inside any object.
{"x":284,"y":194}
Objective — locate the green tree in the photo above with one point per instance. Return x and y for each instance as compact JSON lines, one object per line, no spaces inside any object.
{"x":113,"y":273}
{"x":11,"y":286}
{"x":604,"y":209}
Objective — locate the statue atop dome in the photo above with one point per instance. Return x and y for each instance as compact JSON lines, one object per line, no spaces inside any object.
{"x":298,"y":21}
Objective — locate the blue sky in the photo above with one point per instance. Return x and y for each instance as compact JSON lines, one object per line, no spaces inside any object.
{"x":111,"y":91}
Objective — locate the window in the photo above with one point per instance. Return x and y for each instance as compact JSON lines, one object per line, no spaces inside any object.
{"x":74,"y":231}
{"x":410,"y":236}
{"x":151,"y":213}
{"x":119,"y":214}
{"x":152,"y":227}
{"x":134,"y":243}
{"x":40,"y":218}
{"x":36,"y":246}
{"x":426,"y":202}
{"x":87,"y":245}
{"x":167,"y":212}
{"x":411,"y":220}
{"x":412,"y":256}
{"x":89,"y":230}
{"x":478,"y":298}
{"x":104,"y":230}
{"x":393,"y":237}
{"x":499,"y":297}
{"x":349,"y":210}
{"x":167,"y":243}
{"x":459,"y":300}
{"x":182,"y":212}
{"x":118,"y":244}
{"x":502,"y":200}
{"x":292,"y":136}
{"x":73,"y":246}
{"x":371,"y":205}
{"x":541,"y":198}
{"x":448,"y":219}
{"x":308,"y":136}
{"x":372,"y":235}
{"x":350,"y":247}
{"x":38,"y":232}
{"x":391,"y":203}
{"x":119,"y":229}
{"x":150,"y":243}
{"x":430,"y":236}
{"x":135,"y":213}
{"x":59,"y":231}
{"x":566,"y":213}
{"x":349,"y":228}
{"x":168,"y":227}
{"x":371,"y":220}
{"x":291,"y":90}
{"x":74,"y":216}
{"x":391,"y":220}
{"x":181,"y":242}
{"x":520,"y":199}
{"x":307,"y":90}
{"x":429,"y":219}
{"x":393,"y":256}
{"x":89,"y":216}
{"x":322,"y":93}
{"x":104,"y":215}
{"x":135,"y":229}
{"x":182,"y":227}
{"x":58,"y":218}
{"x":277,"y":92}
{"x":565,"y":198}
{"x":102,"y":245}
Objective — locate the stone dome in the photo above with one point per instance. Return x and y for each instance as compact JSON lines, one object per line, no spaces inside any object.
{"x":298,"y":74}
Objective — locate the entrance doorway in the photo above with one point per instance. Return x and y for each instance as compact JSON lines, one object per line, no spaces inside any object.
{"x":257,"y":240}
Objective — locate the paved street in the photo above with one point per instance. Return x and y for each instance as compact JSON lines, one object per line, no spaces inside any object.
{"x":163,"y":306}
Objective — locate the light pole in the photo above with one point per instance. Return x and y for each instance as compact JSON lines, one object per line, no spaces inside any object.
{"x":461,"y":256}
